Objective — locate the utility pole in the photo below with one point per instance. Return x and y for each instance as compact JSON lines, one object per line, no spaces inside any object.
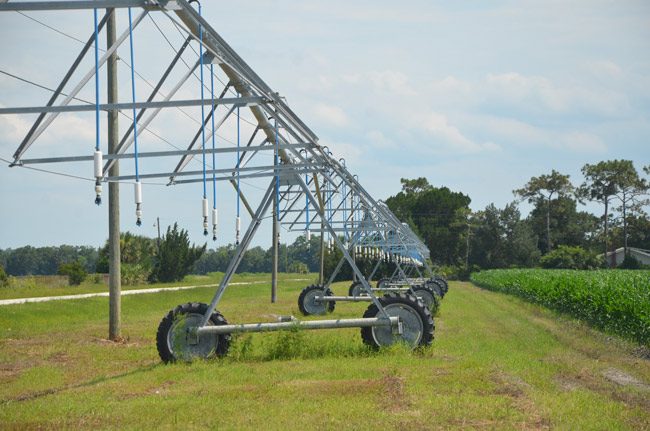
{"x":467,"y":246}
{"x":158,"y":224}
{"x":114,"y":282}
{"x":274,"y":250}
{"x":321,"y":275}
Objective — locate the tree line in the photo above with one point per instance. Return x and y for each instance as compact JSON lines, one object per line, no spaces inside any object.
{"x":555,"y":231}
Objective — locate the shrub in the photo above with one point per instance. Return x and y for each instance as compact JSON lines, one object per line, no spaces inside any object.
{"x":565,"y":257}
{"x":298,"y":268}
{"x":75,"y":271}
{"x":4,"y":280}
{"x":133,"y":274}
{"x":175,"y":256}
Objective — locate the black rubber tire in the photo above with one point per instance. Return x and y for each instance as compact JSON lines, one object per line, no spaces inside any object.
{"x":303,"y":297}
{"x":195,"y":308}
{"x":410,"y":301}
{"x":357,"y":285}
{"x":382,"y":282}
{"x":437,"y":287}
{"x":442,"y":281}
{"x":430,"y":293}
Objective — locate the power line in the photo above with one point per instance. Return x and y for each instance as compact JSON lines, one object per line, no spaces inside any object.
{"x":54,"y":29}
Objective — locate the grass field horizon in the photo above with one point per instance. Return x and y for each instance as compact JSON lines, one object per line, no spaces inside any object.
{"x":496,"y":362}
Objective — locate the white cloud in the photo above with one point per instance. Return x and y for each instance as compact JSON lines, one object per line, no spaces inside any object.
{"x":391,"y":81}
{"x":582,"y":143}
{"x":331,"y":114}
{"x":542,"y":94}
{"x":378,"y":139}
{"x":438,"y":125}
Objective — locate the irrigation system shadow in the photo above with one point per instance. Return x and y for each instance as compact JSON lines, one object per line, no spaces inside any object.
{"x":88,"y":383}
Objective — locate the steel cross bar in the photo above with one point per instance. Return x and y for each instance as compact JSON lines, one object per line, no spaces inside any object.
{"x":140,"y":155}
{"x":363,"y":322}
{"x":17,"y":6}
{"x":244,"y":176}
{"x":234,"y":101}
{"x":270,"y":168}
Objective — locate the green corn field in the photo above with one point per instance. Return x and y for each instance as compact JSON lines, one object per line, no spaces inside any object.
{"x":615,"y":301}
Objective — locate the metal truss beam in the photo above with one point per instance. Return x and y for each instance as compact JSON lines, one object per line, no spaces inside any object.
{"x":234,"y":101}
{"x":24,"y":6}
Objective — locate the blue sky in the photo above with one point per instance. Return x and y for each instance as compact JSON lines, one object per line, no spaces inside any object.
{"x":475,"y":96}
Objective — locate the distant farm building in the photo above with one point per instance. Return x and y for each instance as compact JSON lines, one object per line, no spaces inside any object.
{"x":615,"y":258}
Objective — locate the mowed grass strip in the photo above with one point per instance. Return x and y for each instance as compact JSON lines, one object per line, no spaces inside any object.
{"x":497,"y":363}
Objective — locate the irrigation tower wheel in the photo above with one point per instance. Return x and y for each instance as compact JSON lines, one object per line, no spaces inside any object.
{"x":356,"y":289}
{"x":436,"y":286}
{"x":381,"y":283}
{"x":417,"y":322}
{"x":427,"y":295}
{"x":176,"y":343}
{"x":309,"y":306}
{"x":442,"y":281}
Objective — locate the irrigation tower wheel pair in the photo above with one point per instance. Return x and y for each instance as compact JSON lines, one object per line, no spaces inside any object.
{"x":413,"y":311}
{"x":425,"y":293}
{"x":177,"y":340}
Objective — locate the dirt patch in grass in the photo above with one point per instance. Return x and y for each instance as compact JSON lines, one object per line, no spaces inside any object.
{"x":334,"y":387}
{"x":621,"y":378}
{"x":11,"y":371}
{"x":508,"y":384}
{"x":516,"y":389}
{"x":613,"y":384}
{"x":392,"y":391}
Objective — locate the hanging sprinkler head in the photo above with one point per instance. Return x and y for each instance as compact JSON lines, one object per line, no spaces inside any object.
{"x":138,"y":203}
{"x":204,"y":203}
{"x":97,"y":165}
{"x":214,"y":224}
{"x":98,"y":192}
{"x":237,"y":229}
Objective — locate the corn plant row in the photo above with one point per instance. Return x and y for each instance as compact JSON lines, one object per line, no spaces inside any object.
{"x":615,"y":301}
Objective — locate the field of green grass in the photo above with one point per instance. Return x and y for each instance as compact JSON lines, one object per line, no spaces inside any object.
{"x":497,"y":363}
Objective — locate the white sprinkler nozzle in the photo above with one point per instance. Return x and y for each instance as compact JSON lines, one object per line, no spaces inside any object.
{"x":215,"y":219}
{"x":97,"y":170}
{"x":205,"y":208}
{"x":138,"y":202}
{"x":237,"y":229}
{"x":98,"y":193}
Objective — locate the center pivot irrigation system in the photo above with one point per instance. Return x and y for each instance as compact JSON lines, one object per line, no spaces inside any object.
{"x":305,"y":187}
